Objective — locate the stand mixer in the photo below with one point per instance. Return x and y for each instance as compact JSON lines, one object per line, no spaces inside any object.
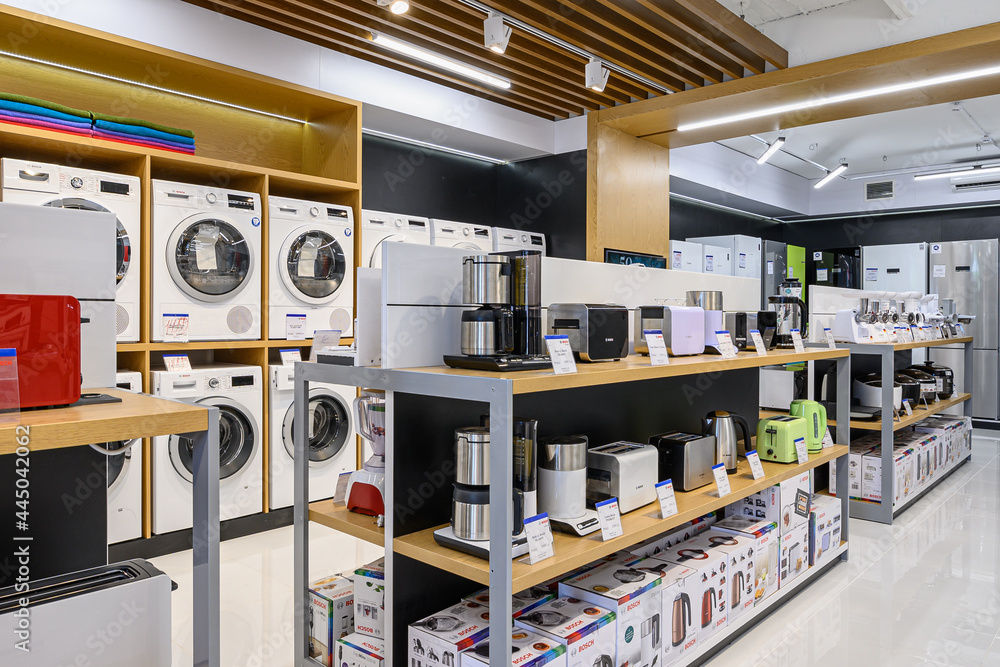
{"x":366,"y":487}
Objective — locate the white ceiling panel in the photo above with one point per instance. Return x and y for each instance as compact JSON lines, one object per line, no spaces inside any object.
{"x":759,"y":12}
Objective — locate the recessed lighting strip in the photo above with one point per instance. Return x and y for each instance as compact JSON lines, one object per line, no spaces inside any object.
{"x":437,"y":60}
{"x":436,"y":147}
{"x":973,"y":171}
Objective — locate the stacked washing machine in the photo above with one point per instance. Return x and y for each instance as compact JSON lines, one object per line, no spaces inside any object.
{"x":380,"y":227}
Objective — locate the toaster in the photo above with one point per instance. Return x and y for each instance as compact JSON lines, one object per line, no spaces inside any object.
{"x":596,"y":332}
{"x":739,"y":325}
{"x":623,"y":470}
{"x":683,"y":328}
{"x":685,"y":458}
{"x":776,"y":438}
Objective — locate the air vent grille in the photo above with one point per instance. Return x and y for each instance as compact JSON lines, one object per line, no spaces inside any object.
{"x":879,"y":191}
{"x":963,"y":186}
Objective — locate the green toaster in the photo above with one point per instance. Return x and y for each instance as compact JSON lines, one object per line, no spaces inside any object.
{"x":776,"y":438}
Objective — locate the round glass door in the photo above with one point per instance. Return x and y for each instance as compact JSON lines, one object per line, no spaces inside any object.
{"x":375,"y":261}
{"x":313,"y":265}
{"x":123,"y":246}
{"x":237,"y":439}
{"x":329,"y":426}
{"x":118,"y":464}
{"x":209,"y":259}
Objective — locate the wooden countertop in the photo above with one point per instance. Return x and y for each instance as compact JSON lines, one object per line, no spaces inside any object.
{"x":904,"y":419}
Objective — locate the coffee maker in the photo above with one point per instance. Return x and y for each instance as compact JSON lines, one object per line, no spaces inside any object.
{"x":505,"y":333}
{"x":562,"y":484}
{"x":791,"y":310}
{"x":366,"y":487}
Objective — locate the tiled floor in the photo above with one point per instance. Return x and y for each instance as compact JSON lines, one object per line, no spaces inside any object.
{"x":925,"y":591}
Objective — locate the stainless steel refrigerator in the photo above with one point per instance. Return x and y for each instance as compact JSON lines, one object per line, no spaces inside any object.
{"x":967,"y":271}
{"x":774,"y":269}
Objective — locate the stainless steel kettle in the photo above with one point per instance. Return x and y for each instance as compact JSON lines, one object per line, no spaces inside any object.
{"x":723,"y":425}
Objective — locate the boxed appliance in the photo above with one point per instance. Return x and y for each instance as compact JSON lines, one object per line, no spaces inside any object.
{"x":596,"y":332}
{"x":766,"y":551}
{"x":529,"y":650}
{"x":634,"y":595}
{"x":587,"y":631}
{"x":786,"y":504}
{"x":623,"y":470}
{"x":676,"y":592}
{"x":686,"y":256}
{"x":902,"y":474}
{"x":654,"y":545}
{"x":331,"y":615}
{"x":824,"y":528}
{"x":709,"y":593}
{"x":359,"y":650}
{"x":794,"y":554}
{"x":369,"y":599}
{"x":444,"y":635}
{"x":854,"y":470}
{"x":520,"y":603}
{"x":741,"y":550}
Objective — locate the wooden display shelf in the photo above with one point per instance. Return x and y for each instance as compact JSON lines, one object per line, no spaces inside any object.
{"x":859,"y":347}
{"x":904,"y":420}
{"x":635,"y":368}
{"x":573,"y":552}
{"x":338,"y":517}
{"x":217,"y":345}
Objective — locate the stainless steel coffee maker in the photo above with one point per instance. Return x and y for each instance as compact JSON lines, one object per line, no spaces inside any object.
{"x":791,"y":310}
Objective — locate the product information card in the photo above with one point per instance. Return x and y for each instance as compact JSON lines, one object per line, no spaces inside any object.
{"x":906,"y":406}
{"x":540,"y":543}
{"x":827,"y":439}
{"x":668,"y":501}
{"x":289,"y":357}
{"x":295,"y":327}
{"x":758,"y":343}
{"x":175,"y":327}
{"x":755,"y":467}
{"x":657,"y":347}
{"x":721,"y":480}
{"x":610,"y":518}
{"x":797,"y":341}
{"x":801,"y":451}
{"x":828,"y":335}
{"x":561,"y":354}
{"x":177,"y":363}
{"x":726,"y":346}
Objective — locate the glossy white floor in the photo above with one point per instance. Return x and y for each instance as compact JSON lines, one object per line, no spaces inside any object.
{"x":925,"y":591}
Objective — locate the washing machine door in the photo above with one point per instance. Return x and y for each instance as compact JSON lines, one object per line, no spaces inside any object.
{"x":118,"y":464}
{"x":329,"y":425}
{"x":209,"y":258}
{"x":238,"y":436}
{"x":313,"y":265}
{"x":124,"y":245}
{"x":375,"y":261}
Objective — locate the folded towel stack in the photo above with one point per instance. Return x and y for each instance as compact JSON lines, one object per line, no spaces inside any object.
{"x":143,"y":133}
{"x":31,"y":112}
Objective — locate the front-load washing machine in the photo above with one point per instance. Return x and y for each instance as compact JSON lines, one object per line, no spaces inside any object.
{"x":124,"y":458}
{"x":332,"y":445}
{"x":238,"y":392}
{"x":311,"y":266}
{"x":206,"y":261}
{"x":378,"y":227}
{"x":461,"y":235}
{"x":512,"y":239}
{"x":67,"y":187}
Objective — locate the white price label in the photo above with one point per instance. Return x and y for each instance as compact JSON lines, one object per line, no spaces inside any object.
{"x":668,"y":501}
{"x":822,"y":275}
{"x":801,"y":451}
{"x":657,"y":347}
{"x":961,"y":330}
{"x":340,"y":494}
{"x":828,"y":334}
{"x":726,"y":346}
{"x":758,"y":343}
{"x":539,"y":533}
{"x":797,"y":341}
{"x":926,"y":333}
{"x":940,"y":271}
{"x":326,"y":340}
{"x":906,"y":406}
{"x":770,"y":268}
{"x":937,"y":332}
{"x":289,"y":357}
{"x":561,"y":354}
{"x":175,"y":327}
{"x":177,"y":363}
{"x":743,"y":260}
{"x":610,"y":518}
{"x":878,"y":334}
{"x":295,"y":326}
{"x":827,"y":439}
{"x":755,"y":467}
{"x":871,"y":275}
{"x":721,"y":480}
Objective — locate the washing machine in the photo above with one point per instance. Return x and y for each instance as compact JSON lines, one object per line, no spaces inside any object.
{"x":206,"y":261}
{"x":332,"y":445}
{"x":66,"y":187}
{"x":513,"y":239}
{"x":378,"y":227}
{"x":124,"y":475}
{"x":238,"y":392}
{"x":461,"y":235}
{"x":311,"y":265}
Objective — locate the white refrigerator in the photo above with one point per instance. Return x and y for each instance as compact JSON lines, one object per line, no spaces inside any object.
{"x":746,"y":252}
{"x":900,"y":267}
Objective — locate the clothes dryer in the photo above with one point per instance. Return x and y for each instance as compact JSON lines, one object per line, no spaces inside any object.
{"x":513,"y":239}
{"x":450,"y":234}
{"x":124,"y":475}
{"x":378,"y":227}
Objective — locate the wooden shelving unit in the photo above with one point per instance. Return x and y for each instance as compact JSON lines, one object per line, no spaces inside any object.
{"x":328,"y":514}
{"x":904,"y":420}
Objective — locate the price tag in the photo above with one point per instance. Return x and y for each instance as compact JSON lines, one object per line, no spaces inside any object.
{"x":915,"y":332}
{"x":668,"y":501}
{"x":755,"y":467}
{"x":295,"y":326}
{"x":937,"y":332}
{"x":539,"y":533}
{"x":758,"y":343}
{"x":726,"y":346}
{"x":289,"y":357}
{"x":827,"y":439}
{"x":340,"y":494}
{"x":961,"y":330}
{"x":721,"y":480}
{"x":906,"y":406}
{"x":828,"y":334}
{"x":797,"y":341}
{"x":177,"y":363}
{"x":326,"y":340}
{"x":878,"y":334}
{"x":610,"y":518}
{"x":175,"y":327}
{"x":801,"y":451}
{"x":657,"y":347}
{"x":561,"y":354}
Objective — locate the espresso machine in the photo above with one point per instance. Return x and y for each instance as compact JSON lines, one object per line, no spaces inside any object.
{"x":791,"y":310}
{"x":366,"y":487}
{"x":505,"y":332}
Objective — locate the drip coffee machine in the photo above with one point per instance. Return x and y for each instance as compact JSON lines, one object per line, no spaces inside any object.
{"x":366,"y":487}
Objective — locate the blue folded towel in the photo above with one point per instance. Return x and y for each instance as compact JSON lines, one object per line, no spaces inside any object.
{"x":19,"y":107}
{"x":79,"y":125}
{"x":142,"y":132}
{"x":159,"y":143}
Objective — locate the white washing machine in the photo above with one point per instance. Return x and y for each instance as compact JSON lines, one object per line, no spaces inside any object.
{"x":238,"y":392}
{"x":206,"y":261}
{"x":332,"y":442}
{"x":461,"y":235}
{"x":311,"y":266}
{"x":513,"y":239}
{"x":124,"y":475}
{"x":378,"y":227}
{"x":67,"y":187}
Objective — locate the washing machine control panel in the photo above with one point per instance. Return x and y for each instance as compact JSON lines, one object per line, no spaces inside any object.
{"x":213,"y":383}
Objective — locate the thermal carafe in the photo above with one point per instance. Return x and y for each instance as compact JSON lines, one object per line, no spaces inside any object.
{"x":681,"y":619}
{"x":470,"y":514}
{"x":791,"y":310}
{"x":526,"y":300}
{"x":562,"y":476}
{"x":526,"y":463}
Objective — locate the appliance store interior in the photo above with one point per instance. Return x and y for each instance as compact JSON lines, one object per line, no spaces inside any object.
{"x":454,"y":333}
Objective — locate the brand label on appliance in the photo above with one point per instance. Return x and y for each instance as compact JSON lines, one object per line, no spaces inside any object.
{"x":794,"y":292}
{"x":175,"y":327}
{"x":721,"y":480}
{"x":758,"y":343}
{"x":326,"y":340}
{"x":657,"y":347}
{"x":871,"y":275}
{"x":668,"y":501}
{"x":743,"y":260}
{"x":817,"y":256}
{"x":610,"y":518}
{"x":561,"y":354}
{"x":940,"y":271}
{"x":289,"y":357}
{"x":540,"y":543}
{"x":828,"y":335}
{"x":770,"y":268}
{"x":709,"y":264}
{"x":822,"y":275}
{"x":906,"y":406}
{"x":755,"y":467}
{"x":177,"y":363}
{"x":935,"y":248}
{"x":827,"y":439}
{"x":295,"y":326}
{"x":800,"y":347}
{"x":801,"y":451}
{"x":726,"y":346}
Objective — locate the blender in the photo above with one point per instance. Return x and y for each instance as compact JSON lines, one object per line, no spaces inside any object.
{"x":366,"y":487}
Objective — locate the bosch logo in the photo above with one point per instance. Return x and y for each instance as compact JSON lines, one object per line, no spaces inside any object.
{"x":347,"y":232}
{"x":584,"y":647}
{"x":255,"y":222}
{"x":633,"y":605}
{"x":362,"y":628}
{"x":574,"y":625}
{"x":527,"y":656}
{"x":467,"y":630}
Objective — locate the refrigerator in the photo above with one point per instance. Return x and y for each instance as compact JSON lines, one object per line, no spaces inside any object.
{"x":836,"y":267}
{"x":774,"y":269}
{"x":718,"y":260}
{"x":901,"y":267}
{"x":966,"y":271}
{"x":746,"y":252}
{"x":685,"y":256}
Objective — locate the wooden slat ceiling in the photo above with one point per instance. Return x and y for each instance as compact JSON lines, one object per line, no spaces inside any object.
{"x":677,"y":44}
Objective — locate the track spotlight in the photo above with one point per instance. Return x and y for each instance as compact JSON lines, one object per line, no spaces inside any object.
{"x":495,"y":33}
{"x":841,"y":168}
{"x":395,"y":6}
{"x":771,"y":150}
{"x":596,"y":75}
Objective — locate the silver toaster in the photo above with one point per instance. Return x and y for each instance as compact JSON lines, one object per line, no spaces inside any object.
{"x":623,"y":470}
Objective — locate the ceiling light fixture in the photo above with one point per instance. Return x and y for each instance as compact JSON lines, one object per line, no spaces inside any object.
{"x":437,"y":60}
{"x":841,"y":168}
{"x":596,"y":75}
{"x":436,"y":147}
{"x":771,"y":150}
{"x":846,"y":97}
{"x":972,"y":171}
{"x":395,"y":6}
{"x":495,"y":33}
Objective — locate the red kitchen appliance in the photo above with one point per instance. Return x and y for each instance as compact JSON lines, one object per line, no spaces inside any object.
{"x":45,"y":332}
{"x":707,"y":607}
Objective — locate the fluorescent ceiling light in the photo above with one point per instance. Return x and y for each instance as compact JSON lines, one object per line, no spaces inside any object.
{"x":436,"y":147}
{"x":596,"y":75}
{"x":841,"y":168}
{"x":771,"y":150}
{"x":437,"y":60}
{"x":973,"y":171}
{"x":496,"y":34}
{"x":846,"y":97}
{"x":395,"y":6}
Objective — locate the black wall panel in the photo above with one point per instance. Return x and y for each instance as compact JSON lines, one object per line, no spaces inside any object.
{"x":688,"y":219}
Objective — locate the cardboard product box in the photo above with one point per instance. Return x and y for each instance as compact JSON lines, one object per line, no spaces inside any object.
{"x":794,"y":554}
{"x":685,"y":531}
{"x":786,"y":504}
{"x":357,"y":650}
{"x":740,"y":571}
{"x":634,"y":595}
{"x":854,"y":474}
{"x":369,"y":599}
{"x":710,"y":595}
{"x":331,"y":615}
{"x":520,"y":602}
{"x":529,"y":650}
{"x":825,"y":524}
{"x":440,"y":638}
{"x":677,"y":596}
{"x":902,"y":473}
{"x":766,"y":552}
{"x":588,"y":632}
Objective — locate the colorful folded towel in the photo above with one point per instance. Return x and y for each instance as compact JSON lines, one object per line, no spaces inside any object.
{"x":141,"y":123}
{"x":49,"y":119}
{"x":139,"y":130}
{"x":23,"y":99}
{"x":145,"y":140}
{"x":35,"y":110}
{"x":26,"y":122}
{"x":162,"y":145}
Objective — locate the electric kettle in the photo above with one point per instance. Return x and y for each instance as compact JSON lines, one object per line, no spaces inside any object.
{"x":723,"y":425}
{"x":738,"y":582}
{"x":815,"y":415}
{"x":681,"y":619}
{"x":707,"y":607}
